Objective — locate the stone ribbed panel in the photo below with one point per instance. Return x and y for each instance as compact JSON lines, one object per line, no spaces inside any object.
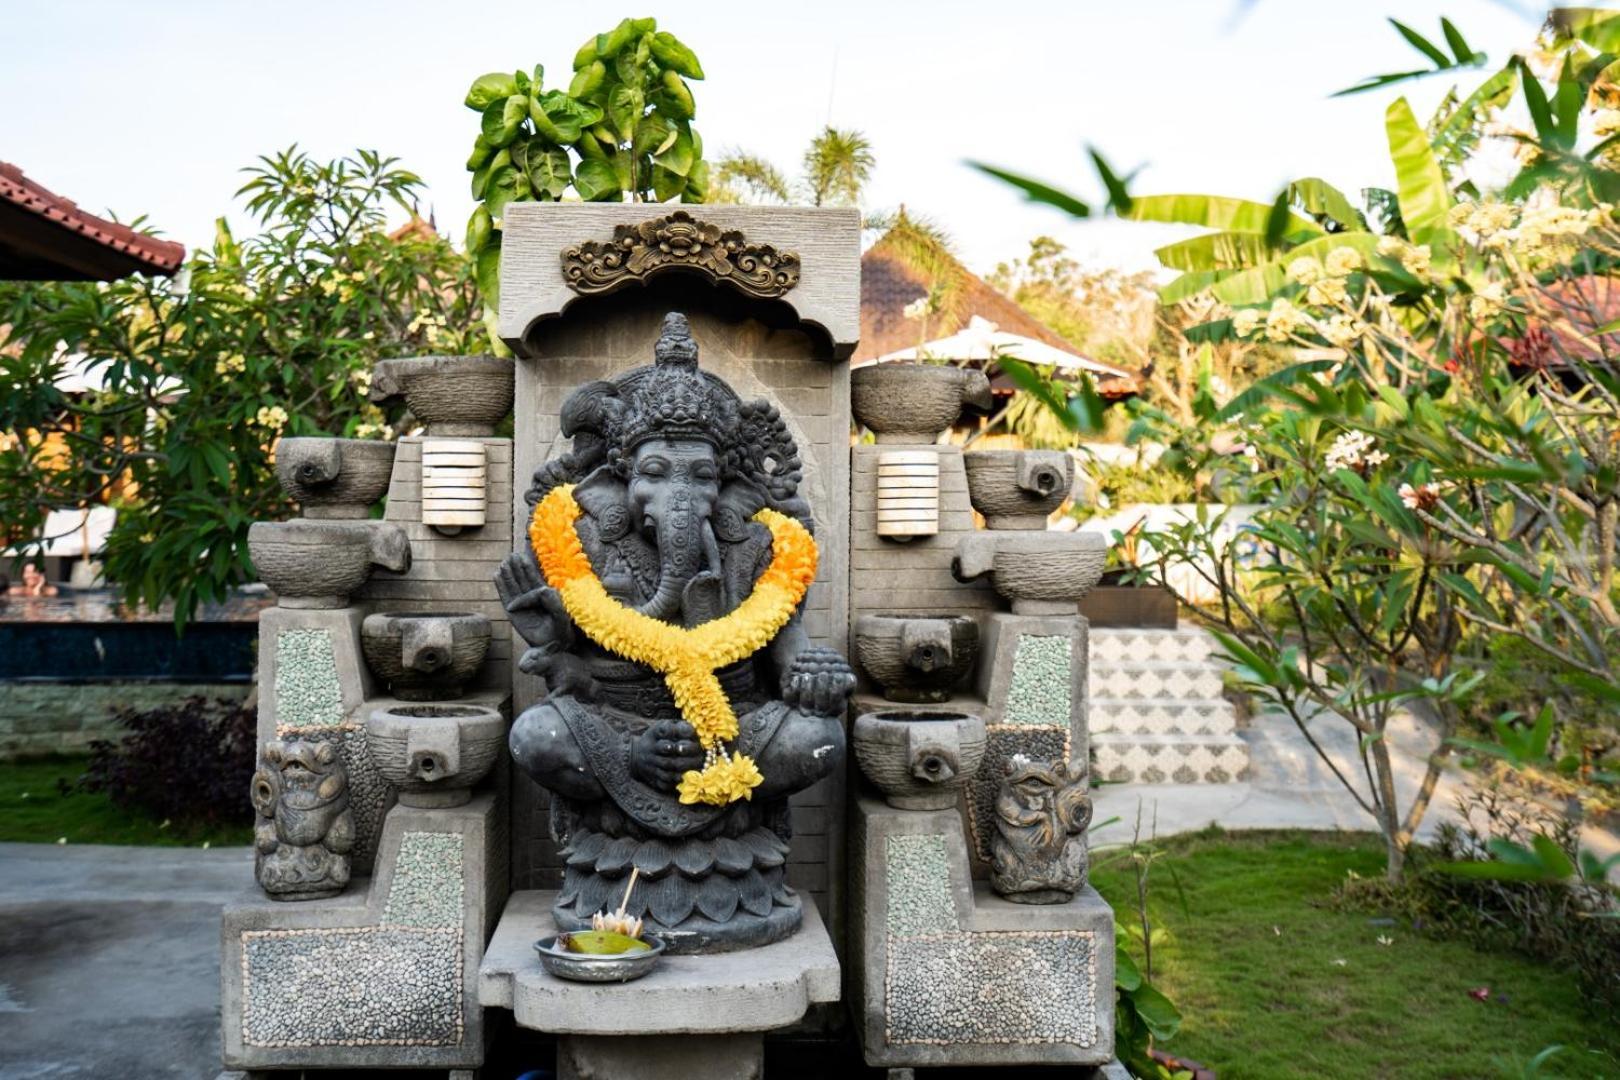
{"x":452,"y":573}
{"x":1170,"y":759}
{"x":761,"y":352}
{"x":1157,"y":681}
{"x":1167,"y":717}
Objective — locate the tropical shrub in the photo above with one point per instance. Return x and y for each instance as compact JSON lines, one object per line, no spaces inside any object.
{"x":1437,"y":466}
{"x":199,"y":376}
{"x":189,"y":763}
{"x":622,"y":129}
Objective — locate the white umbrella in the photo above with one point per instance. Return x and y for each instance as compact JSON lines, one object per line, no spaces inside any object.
{"x":981,"y":341}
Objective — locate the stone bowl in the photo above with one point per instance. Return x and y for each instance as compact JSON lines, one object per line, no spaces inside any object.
{"x":424,"y":655}
{"x":1018,"y":489}
{"x":913,"y":403}
{"x":320,"y":564}
{"x":1042,"y":573}
{"x":588,"y":967}
{"x":916,"y":658}
{"x":457,"y":396}
{"x":919,"y":759}
{"x":433,"y":755}
{"x":334,"y":478}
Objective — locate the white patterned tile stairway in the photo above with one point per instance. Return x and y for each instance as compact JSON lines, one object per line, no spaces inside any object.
{"x":1156,"y":680}
{"x":1188,"y":644}
{"x":1170,"y":759}
{"x":1166,"y":716}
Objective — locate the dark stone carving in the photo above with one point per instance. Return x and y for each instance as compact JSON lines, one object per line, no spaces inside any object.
{"x":669,"y":468}
{"x":1038,"y":852}
{"x":305,"y":830}
{"x":679,"y":242}
{"x":916,"y":658}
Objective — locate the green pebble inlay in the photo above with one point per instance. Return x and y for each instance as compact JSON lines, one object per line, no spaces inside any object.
{"x":1039,"y":694}
{"x":307,"y":690}
{"x":427,"y":885}
{"x":919,"y":886}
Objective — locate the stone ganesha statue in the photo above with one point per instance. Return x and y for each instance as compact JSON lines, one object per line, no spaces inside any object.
{"x":660,"y":595}
{"x":1038,"y":852}
{"x":305,"y":830}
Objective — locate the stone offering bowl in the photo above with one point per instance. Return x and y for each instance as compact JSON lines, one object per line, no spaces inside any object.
{"x":913,"y":403}
{"x":457,"y":396}
{"x":1042,"y":573}
{"x":1018,"y":489}
{"x":334,"y":478}
{"x":916,"y":657}
{"x":319,"y":564}
{"x":424,"y":655}
{"x":434,"y":755}
{"x":591,"y":967}
{"x":920,"y":760}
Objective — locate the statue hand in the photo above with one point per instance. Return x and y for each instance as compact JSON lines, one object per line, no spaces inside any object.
{"x":536,"y":610}
{"x":662,"y":754}
{"x":818,"y":681}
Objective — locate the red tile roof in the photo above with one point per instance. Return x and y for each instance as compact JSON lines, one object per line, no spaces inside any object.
{"x":45,"y":237}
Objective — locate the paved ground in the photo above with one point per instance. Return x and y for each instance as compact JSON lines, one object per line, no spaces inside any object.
{"x":109,"y":960}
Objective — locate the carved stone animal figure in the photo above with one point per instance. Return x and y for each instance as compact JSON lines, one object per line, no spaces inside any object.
{"x":305,"y":830}
{"x":1038,"y":852}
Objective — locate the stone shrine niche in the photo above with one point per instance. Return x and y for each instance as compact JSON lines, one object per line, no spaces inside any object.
{"x":784,"y":351}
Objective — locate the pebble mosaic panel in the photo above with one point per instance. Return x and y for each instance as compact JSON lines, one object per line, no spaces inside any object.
{"x":362,"y":986}
{"x":307,"y":690}
{"x":1002,"y":742}
{"x":919,"y":885}
{"x":1041,"y":681}
{"x":427,"y":886}
{"x":992,"y":987}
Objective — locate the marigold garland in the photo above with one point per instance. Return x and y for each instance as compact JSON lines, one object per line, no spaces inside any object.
{"x":687,"y":658}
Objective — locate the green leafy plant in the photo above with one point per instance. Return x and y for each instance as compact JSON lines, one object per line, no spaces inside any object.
{"x":622,"y":129}
{"x":198,"y":377}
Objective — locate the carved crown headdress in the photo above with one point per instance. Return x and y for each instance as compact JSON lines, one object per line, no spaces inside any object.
{"x":673,"y":399}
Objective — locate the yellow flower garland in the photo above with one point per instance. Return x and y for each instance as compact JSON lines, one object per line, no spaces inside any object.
{"x":687,"y":658}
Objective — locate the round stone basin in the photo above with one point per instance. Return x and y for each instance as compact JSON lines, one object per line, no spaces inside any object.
{"x":1042,"y":573}
{"x":920,"y":759}
{"x":456,"y":396}
{"x":425,"y":655}
{"x":916,"y":658}
{"x":913,"y":403}
{"x":434,"y":755}
{"x":334,"y":478}
{"x":1018,"y":489}
{"x":311,"y":564}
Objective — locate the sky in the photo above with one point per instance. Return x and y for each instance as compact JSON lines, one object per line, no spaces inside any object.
{"x":154,"y":107}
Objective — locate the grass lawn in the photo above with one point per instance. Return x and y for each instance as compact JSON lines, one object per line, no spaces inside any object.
{"x":1272,"y":983}
{"x":33,"y":808}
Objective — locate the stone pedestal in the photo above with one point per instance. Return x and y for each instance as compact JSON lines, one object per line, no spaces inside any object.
{"x":947,"y":973}
{"x":694,"y":1016}
{"x":384,"y":975}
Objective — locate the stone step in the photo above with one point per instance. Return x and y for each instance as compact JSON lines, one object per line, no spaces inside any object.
{"x":1117,"y":644}
{"x":1162,"y":716}
{"x":1138,"y":680}
{"x":1169,"y":759}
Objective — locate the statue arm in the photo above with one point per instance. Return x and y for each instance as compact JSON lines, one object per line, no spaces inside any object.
{"x":806,"y":748}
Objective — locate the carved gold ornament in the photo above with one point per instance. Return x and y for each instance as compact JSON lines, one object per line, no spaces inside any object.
{"x":679,"y":242}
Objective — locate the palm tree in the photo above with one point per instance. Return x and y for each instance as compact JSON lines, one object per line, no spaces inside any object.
{"x":836,"y":167}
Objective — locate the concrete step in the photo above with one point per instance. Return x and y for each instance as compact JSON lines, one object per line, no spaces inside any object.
{"x":1169,"y":759}
{"x":1162,"y":716}
{"x":1117,"y":644}
{"x":1156,"y":679}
